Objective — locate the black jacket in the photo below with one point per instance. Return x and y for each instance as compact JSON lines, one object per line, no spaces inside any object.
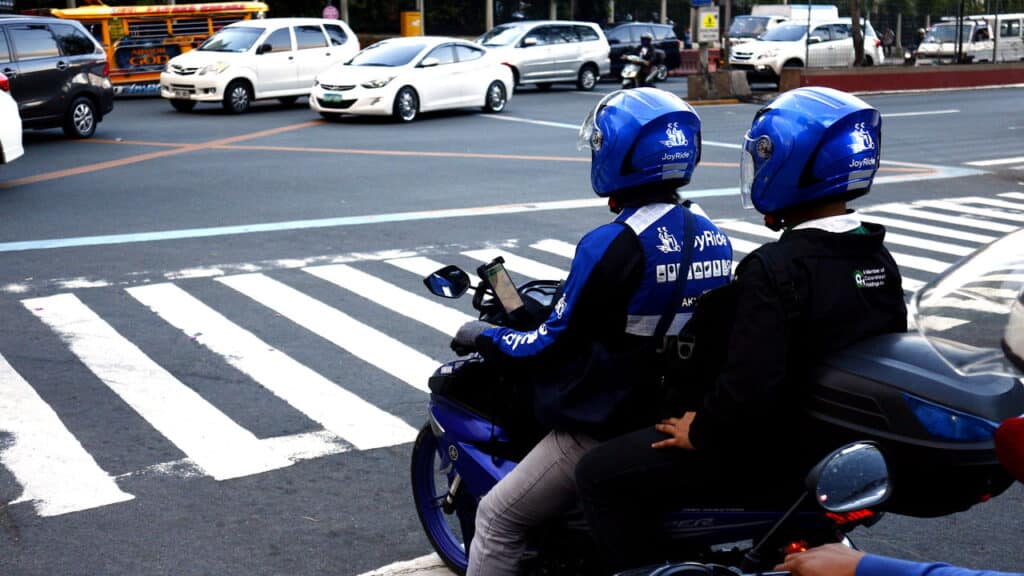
{"x":844,"y":288}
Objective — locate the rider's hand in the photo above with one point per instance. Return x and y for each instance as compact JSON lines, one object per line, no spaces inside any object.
{"x":829,"y":560}
{"x":678,"y":430}
{"x":465,"y":339}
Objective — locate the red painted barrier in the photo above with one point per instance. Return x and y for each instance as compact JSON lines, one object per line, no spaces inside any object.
{"x":908,"y":77}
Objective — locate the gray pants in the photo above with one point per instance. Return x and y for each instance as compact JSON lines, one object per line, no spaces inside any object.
{"x":541,"y":487}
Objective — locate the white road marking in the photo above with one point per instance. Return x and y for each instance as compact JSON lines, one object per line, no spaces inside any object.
{"x":556,"y":247}
{"x":413,"y":306}
{"x":997,"y":161}
{"x":418,"y":265}
{"x":941,"y":323}
{"x":54,"y":470}
{"x":944,"y":231}
{"x":355,"y":420}
{"x":1014,"y":195}
{"x":518,"y":264}
{"x":965,"y":209}
{"x":213,"y":441}
{"x":971,"y":304}
{"x":925,"y":244}
{"x":364,"y":342}
{"x":922,"y":113}
{"x":947,"y":219}
{"x":993,"y":202}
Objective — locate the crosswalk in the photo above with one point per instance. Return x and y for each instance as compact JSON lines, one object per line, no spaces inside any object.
{"x":386,"y":335}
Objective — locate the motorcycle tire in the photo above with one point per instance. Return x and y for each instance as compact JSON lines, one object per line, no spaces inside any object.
{"x":449,"y":531}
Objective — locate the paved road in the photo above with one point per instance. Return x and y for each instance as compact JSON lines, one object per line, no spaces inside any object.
{"x":213,"y":352}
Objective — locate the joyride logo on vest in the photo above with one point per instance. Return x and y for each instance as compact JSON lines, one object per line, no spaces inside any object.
{"x":660,"y":229}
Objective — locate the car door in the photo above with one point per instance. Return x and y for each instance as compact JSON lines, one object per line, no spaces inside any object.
{"x":312,"y":52}
{"x":342,"y":47}
{"x":473,"y":76}
{"x":842,"y":51}
{"x":565,"y":52}
{"x":820,"y":46}
{"x":535,"y":62}
{"x":79,"y":52}
{"x":437,"y":84}
{"x":41,"y":71}
{"x":277,"y":70}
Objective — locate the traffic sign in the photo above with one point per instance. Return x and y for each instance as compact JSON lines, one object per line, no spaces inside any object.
{"x":696,"y":3}
{"x":708,"y":18}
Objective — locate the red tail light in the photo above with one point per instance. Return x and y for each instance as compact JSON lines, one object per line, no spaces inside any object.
{"x":5,"y":84}
{"x":847,"y":517}
{"x":877,"y":42}
{"x":796,"y":547}
{"x":106,"y":69}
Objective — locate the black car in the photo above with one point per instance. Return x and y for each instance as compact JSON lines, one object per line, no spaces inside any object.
{"x":58,"y":73}
{"x":624,"y":38}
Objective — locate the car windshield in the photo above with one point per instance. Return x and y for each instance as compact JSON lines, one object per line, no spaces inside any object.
{"x":390,"y":54}
{"x":973,"y":314}
{"x":946,"y":33}
{"x":237,"y":39}
{"x":785,"y":33}
{"x":748,"y":26}
{"x":501,"y":36}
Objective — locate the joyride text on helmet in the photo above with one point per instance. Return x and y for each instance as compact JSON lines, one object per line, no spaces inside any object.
{"x":639,"y":139}
{"x":810,"y":144}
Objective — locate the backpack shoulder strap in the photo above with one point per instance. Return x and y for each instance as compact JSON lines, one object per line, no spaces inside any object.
{"x":774,"y":264}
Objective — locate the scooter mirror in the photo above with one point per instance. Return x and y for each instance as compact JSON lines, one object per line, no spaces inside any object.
{"x":1010,"y":446}
{"x":853,"y":477}
{"x":448,"y":282}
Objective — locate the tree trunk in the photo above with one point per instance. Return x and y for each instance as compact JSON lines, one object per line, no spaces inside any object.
{"x":858,"y":34}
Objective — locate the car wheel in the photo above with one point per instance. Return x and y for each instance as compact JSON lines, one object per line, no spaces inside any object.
{"x":80,"y":119}
{"x":288,"y":100}
{"x":183,"y":105}
{"x":587,"y":78}
{"x":868,"y":61}
{"x":662,"y":74}
{"x":793,"y":63}
{"x":496,"y":98}
{"x":407,"y":104}
{"x":237,"y":97}
{"x":543,"y":86}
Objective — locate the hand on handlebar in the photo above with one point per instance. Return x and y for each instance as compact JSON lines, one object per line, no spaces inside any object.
{"x":829,"y":560}
{"x":464,"y":341}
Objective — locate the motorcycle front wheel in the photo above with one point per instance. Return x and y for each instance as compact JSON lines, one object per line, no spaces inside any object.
{"x":449,"y":525}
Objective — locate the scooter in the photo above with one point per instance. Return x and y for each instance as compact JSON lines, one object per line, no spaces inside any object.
{"x":931,"y":404}
{"x":637,"y":72}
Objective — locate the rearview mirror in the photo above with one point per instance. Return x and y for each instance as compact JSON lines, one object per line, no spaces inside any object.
{"x":448,"y":282}
{"x":531,"y":41}
{"x":428,"y":62}
{"x":853,"y":477}
{"x":264,"y":48}
{"x":814,"y":40}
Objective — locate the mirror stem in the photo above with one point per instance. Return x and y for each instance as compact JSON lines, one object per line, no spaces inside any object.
{"x":752,"y":559}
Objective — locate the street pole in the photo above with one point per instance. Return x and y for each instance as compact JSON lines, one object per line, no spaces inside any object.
{"x":553,"y":10}
{"x":489,"y":15}
{"x":726,"y":47}
{"x":344,"y":10}
{"x":664,"y":9}
{"x":611,"y":11}
{"x":423,"y":16}
{"x":899,"y":33}
{"x":995,"y":34}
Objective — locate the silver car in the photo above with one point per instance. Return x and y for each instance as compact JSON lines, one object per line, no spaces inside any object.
{"x":542,"y":52}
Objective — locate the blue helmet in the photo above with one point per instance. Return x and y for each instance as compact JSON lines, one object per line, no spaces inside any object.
{"x":638,"y":138}
{"x":810,"y":144}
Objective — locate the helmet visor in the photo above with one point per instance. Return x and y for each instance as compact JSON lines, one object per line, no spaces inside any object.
{"x":746,"y":172}
{"x":590,"y":137}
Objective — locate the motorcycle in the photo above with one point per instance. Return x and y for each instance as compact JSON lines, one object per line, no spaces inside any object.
{"x":931,"y":400}
{"x":638,"y":72}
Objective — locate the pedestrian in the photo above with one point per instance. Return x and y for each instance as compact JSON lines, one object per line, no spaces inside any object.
{"x":888,"y":41}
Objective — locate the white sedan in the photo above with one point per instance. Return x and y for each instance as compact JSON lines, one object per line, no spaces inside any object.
{"x":405,"y":76}
{"x":10,"y":125}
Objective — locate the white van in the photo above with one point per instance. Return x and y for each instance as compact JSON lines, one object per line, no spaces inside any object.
{"x":256,"y":59}
{"x":939,"y":44}
{"x":1009,"y":43}
{"x":545,"y":51}
{"x":764,"y":17}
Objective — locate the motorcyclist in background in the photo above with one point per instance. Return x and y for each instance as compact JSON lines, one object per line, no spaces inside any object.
{"x":826,"y":283}
{"x":591,"y":365}
{"x":649,"y":54}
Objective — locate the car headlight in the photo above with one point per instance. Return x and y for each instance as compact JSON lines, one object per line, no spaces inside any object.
{"x":378,"y":83}
{"x":167,"y":67}
{"x":769,"y":53}
{"x":213,"y":68}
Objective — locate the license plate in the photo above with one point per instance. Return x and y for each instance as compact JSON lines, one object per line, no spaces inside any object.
{"x":331,"y":97}
{"x":181,"y":94}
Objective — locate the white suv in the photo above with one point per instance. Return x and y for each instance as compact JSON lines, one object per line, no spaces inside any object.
{"x":255,"y":59}
{"x":830,"y":44}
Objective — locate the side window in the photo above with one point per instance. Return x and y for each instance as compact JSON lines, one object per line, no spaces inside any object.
{"x":280,"y":40}
{"x":466,"y":53}
{"x":664,"y":33}
{"x":539,"y":34}
{"x":840,"y":31}
{"x":5,"y":55}
{"x":586,"y":33}
{"x":821,"y":33}
{"x":561,"y":35}
{"x":337,"y":34}
{"x":637,"y":31}
{"x":620,"y":34}
{"x":1009,"y":29}
{"x":444,"y":54}
{"x":307,"y":37}
{"x":72,"y":41}
{"x":33,"y":41}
